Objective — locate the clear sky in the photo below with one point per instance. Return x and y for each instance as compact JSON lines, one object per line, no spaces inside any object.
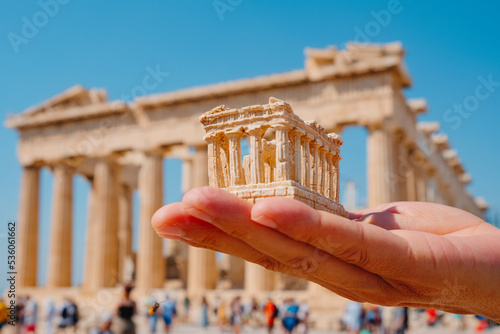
{"x":48,"y":46}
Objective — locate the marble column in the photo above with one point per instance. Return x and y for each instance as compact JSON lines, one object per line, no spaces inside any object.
{"x":305,"y":177}
{"x":124,"y":230}
{"x":283,"y":161}
{"x":103,"y":241}
{"x":89,"y":281}
{"x":400,"y":167}
{"x":258,"y":279}
{"x":411,"y":177}
{"x":380,"y":162}
{"x":256,"y":162}
{"x":151,"y":266}
{"x":297,"y":161}
{"x":59,"y":268}
{"x":235,"y":168}
{"x":235,"y":270}
{"x":202,"y":272}
{"x":28,"y":227}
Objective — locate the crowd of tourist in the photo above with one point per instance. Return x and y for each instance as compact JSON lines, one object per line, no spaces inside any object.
{"x":372,"y":319}
{"x":229,"y":315}
{"x":63,"y":317}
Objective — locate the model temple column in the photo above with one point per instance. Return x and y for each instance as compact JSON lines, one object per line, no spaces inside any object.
{"x":297,"y":161}
{"x":380,"y":166}
{"x":336,"y":178}
{"x":150,"y":262}
{"x":59,"y":269}
{"x":28,"y":227}
{"x":202,"y":264}
{"x":256,"y":162}
{"x":322,"y":171}
{"x":327,"y":167}
{"x":305,"y":177}
{"x":214,"y":168}
{"x":235,"y":169}
{"x":283,"y":165}
{"x":314,"y":164}
{"x":124,"y":229}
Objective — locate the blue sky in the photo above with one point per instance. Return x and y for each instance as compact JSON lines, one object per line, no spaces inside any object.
{"x":452,"y":47}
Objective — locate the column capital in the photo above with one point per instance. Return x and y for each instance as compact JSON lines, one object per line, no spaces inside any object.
{"x":280,"y":126}
{"x":234,"y":133}
{"x":212,"y":136}
{"x":255,"y":131}
{"x":153,"y":151}
{"x":307,"y":137}
{"x":314,"y":143}
{"x":297,"y":132}
{"x":324,"y":151}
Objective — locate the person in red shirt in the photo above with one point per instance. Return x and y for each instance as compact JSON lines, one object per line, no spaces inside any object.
{"x":271,"y":312}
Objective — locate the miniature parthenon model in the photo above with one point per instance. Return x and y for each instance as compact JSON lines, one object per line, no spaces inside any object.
{"x":301,"y":162}
{"x":119,"y":148}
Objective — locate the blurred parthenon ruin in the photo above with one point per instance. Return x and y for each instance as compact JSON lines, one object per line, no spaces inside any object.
{"x":119,"y":148}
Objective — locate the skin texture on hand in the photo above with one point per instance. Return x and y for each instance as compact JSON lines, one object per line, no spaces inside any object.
{"x":413,"y":254}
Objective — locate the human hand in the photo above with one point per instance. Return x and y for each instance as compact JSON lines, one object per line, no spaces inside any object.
{"x":414,"y":254}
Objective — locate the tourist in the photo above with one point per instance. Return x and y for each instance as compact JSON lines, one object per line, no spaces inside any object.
{"x":152,"y":313}
{"x":290,"y":319}
{"x":221,"y":315}
{"x":105,"y":327}
{"x":68,"y":316}
{"x":393,"y":249}
{"x":30,"y":315}
{"x":303,"y":316}
{"x":169,"y":311}
{"x":399,"y":323}
{"x":254,"y":318}
{"x":125,"y":310}
{"x":186,"y":304}
{"x":236,"y":315}
{"x":432,"y":317}
{"x":50,"y":314}
{"x":20,"y":312}
{"x":3,"y":314}
{"x":353,"y":317}
{"x":215,"y":305}
{"x":204,"y":313}
{"x":271,"y":312}
{"x":372,"y":319}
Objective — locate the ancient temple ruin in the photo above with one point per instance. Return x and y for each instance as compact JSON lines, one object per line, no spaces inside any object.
{"x":300,"y":162}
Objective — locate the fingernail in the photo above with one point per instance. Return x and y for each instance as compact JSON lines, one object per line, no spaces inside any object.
{"x":266,"y":221}
{"x":198,"y":214}
{"x":170,"y":231}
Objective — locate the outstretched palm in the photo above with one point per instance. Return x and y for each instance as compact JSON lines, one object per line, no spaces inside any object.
{"x":409,"y":254}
